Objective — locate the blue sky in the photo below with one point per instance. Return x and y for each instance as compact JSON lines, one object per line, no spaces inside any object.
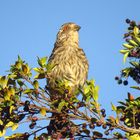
{"x":29,"y":28}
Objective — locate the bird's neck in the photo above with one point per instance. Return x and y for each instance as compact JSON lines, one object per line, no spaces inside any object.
{"x":69,"y":39}
{"x":73,"y":37}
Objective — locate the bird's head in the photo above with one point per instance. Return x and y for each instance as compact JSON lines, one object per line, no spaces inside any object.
{"x":70,"y":27}
{"x":68,"y":31}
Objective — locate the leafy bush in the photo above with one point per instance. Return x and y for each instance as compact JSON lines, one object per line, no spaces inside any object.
{"x":24,"y":100}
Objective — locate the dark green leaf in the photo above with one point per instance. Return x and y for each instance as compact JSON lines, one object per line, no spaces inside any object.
{"x":40,"y":76}
{"x":86,"y":131}
{"x":122,"y":103}
{"x":136,"y":87}
{"x":98,"y":134}
{"x":93,"y":120}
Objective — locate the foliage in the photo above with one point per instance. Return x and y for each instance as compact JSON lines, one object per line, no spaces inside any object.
{"x":24,"y":99}
{"x":128,"y":115}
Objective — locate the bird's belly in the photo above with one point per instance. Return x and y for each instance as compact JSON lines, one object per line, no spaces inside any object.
{"x":69,"y":71}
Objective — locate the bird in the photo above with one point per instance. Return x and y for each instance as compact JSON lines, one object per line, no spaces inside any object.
{"x":69,"y":62}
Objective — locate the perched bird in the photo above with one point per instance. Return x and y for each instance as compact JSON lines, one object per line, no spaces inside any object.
{"x":69,"y":64}
{"x":68,"y":59}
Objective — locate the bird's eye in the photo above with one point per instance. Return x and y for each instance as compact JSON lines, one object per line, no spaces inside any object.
{"x":65,"y":28}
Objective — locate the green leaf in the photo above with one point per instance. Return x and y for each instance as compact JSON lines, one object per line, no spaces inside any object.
{"x":11,"y":91}
{"x":9,"y":124}
{"x":98,"y":134}
{"x":122,"y":103}
{"x":36,"y":84}
{"x":120,"y":109}
{"x":16,"y":97}
{"x":90,"y":82}
{"x":15,"y":126}
{"x":133,"y":42}
{"x":125,"y":57}
{"x":86,"y":131}
{"x":136,"y":30}
{"x":126,"y":71}
{"x":137,"y":39}
{"x":42,"y":61}
{"x":88,"y":97}
{"x":1,"y":122}
{"x":19,"y":59}
{"x":95,"y":93}
{"x":128,"y":46}
{"x":134,"y":137}
{"x":40,"y":76}
{"x":38,"y":70}
{"x":18,"y":65}
{"x":27,"y":91}
{"x":14,"y":136}
{"x":3,"y":81}
{"x":12,"y":75}
{"x":117,"y":119}
{"x":49,"y":67}
{"x":124,"y":51}
{"x":135,"y":64}
{"x":61,"y":105}
{"x":11,"y":109}
{"x":2,"y":133}
{"x":7,"y":96}
{"x":93,"y":120}
{"x":25,"y":69}
{"x":43,"y":111}
{"x":21,"y":83}
{"x":136,"y":87}
{"x":113,"y":107}
{"x":86,"y":89}
{"x":127,"y":120}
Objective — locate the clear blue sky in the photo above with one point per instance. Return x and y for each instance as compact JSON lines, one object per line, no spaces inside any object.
{"x":29,"y":28}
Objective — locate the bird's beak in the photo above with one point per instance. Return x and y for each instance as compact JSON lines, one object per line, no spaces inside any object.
{"x":77,"y":27}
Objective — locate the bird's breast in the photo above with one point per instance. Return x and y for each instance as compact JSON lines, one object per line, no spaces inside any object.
{"x":70,"y":64}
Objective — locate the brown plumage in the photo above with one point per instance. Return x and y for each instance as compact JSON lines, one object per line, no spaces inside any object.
{"x":68,"y":59}
{"x":69,"y":64}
